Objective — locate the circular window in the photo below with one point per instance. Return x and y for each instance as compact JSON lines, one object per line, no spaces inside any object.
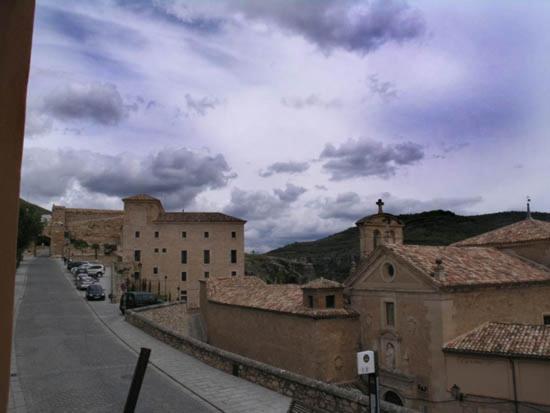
{"x":388,"y":271}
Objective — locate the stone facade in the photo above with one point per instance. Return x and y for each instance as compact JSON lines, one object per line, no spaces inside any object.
{"x":90,"y":225}
{"x":172,"y":252}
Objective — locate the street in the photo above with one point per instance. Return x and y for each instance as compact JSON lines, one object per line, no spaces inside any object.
{"x":67,"y":360}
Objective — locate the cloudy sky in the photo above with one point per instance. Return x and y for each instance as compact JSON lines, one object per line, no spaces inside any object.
{"x":293,"y":114}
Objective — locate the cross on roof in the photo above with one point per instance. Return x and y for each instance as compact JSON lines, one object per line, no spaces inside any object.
{"x":380,"y":203}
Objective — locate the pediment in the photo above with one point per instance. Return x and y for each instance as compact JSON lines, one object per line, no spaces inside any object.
{"x":376,"y":275}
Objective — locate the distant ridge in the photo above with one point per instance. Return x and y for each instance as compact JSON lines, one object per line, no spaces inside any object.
{"x":331,"y":257}
{"x":27,"y":204}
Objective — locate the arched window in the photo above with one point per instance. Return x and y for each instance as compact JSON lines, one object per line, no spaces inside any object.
{"x":392,"y":397}
{"x":376,"y":239}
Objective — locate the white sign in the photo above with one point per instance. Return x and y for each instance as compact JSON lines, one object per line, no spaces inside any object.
{"x":365,"y":362}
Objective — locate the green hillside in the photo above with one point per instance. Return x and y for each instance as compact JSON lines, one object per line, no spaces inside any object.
{"x":331,"y":257}
{"x":39,"y":209}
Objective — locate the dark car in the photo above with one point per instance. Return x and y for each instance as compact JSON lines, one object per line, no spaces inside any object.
{"x":95,"y":292}
{"x":135,"y":299}
{"x":72,"y":264}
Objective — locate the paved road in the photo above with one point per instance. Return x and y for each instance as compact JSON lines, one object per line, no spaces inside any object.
{"x":68,"y":361}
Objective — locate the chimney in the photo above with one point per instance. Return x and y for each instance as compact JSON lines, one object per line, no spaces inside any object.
{"x":439,"y":270}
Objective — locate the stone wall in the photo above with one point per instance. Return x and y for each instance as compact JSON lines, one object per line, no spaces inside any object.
{"x":90,"y":225}
{"x":314,"y":394}
{"x":178,"y":318}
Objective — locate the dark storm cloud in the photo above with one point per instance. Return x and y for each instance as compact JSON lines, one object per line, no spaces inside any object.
{"x":96,"y":102}
{"x":177,"y":175}
{"x":348,"y":24}
{"x":251,"y":205}
{"x":310,"y":101}
{"x":349,"y":206}
{"x":368,"y":158}
{"x":291,"y":193}
{"x":290,"y":167}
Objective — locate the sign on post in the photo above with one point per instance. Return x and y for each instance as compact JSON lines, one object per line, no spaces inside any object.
{"x":368,"y":365}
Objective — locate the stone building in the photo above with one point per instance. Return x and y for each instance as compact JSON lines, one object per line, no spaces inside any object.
{"x":304,"y":329}
{"x":172,"y":251}
{"x":413,"y":300}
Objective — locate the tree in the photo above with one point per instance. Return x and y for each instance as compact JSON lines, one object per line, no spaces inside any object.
{"x":30,"y":227}
{"x":95,"y":247}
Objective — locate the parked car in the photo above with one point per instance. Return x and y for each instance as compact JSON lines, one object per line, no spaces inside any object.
{"x":84,"y":282}
{"x":96,"y":270}
{"x":82,"y":269}
{"x":135,"y":299}
{"x":75,"y":264}
{"x":95,"y":292}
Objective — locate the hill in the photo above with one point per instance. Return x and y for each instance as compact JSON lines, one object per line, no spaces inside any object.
{"x":31,"y":206}
{"x":331,"y":257}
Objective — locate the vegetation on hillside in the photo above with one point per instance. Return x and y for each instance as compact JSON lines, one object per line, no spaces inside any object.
{"x":29,"y":226}
{"x":332,"y":257}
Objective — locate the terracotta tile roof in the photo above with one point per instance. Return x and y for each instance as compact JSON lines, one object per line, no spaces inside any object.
{"x":466,"y":266}
{"x":526,"y":230}
{"x":196,"y":217}
{"x":252,"y":292}
{"x":503,"y":339}
{"x":140,"y":197}
{"x":322,"y":283}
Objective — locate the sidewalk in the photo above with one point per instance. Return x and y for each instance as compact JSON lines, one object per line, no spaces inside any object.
{"x":221,"y":390}
{"x":16,"y":402}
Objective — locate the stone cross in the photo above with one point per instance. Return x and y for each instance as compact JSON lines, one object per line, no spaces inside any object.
{"x":380,"y":204}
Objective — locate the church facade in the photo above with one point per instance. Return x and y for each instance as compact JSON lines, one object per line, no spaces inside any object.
{"x":415,"y":300}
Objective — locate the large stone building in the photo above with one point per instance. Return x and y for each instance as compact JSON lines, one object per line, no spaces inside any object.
{"x":167,"y":252}
{"x":173,"y":251}
{"x":415,"y":300}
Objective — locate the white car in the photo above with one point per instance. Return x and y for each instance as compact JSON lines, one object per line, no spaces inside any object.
{"x":84,"y":282}
{"x":95,"y":270}
{"x":82,"y":266}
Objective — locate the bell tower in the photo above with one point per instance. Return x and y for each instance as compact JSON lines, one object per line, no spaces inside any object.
{"x":378,"y":229}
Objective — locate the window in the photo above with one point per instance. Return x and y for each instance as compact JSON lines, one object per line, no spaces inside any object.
{"x":184,"y":257}
{"x":206,"y":274}
{"x":183,"y":296}
{"x":156,"y":250}
{"x":156,"y":234}
{"x":184,"y":234}
{"x":155,"y":270}
{"x":234,"y":234}
{"x":206,"y":256}
{"x":233,"y":273}
{"x":376,"y":239}
{"x":137,"y":234}
{"x":310,"y":301}
{"x":233,"y":256}
{"x":388,"y":272}
{"x":329,"y":301}
{"x":184,"y":276}
{"x":390,"y":314}
{"x":546,"y":319}
{"x":164,"y":250}
{"x":137,"y":255}
{"x":206,"y":234}
{"x":136,"y":275}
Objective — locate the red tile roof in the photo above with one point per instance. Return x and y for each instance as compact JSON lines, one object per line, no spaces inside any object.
{"x":140,"y":197}
{"x":322,"y":283}
{"x":252,"y":292}
{"x":196,"y":217}
{"x":528,"y":229}
{"x":503,"y":339}
{"x":467,"y":266}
